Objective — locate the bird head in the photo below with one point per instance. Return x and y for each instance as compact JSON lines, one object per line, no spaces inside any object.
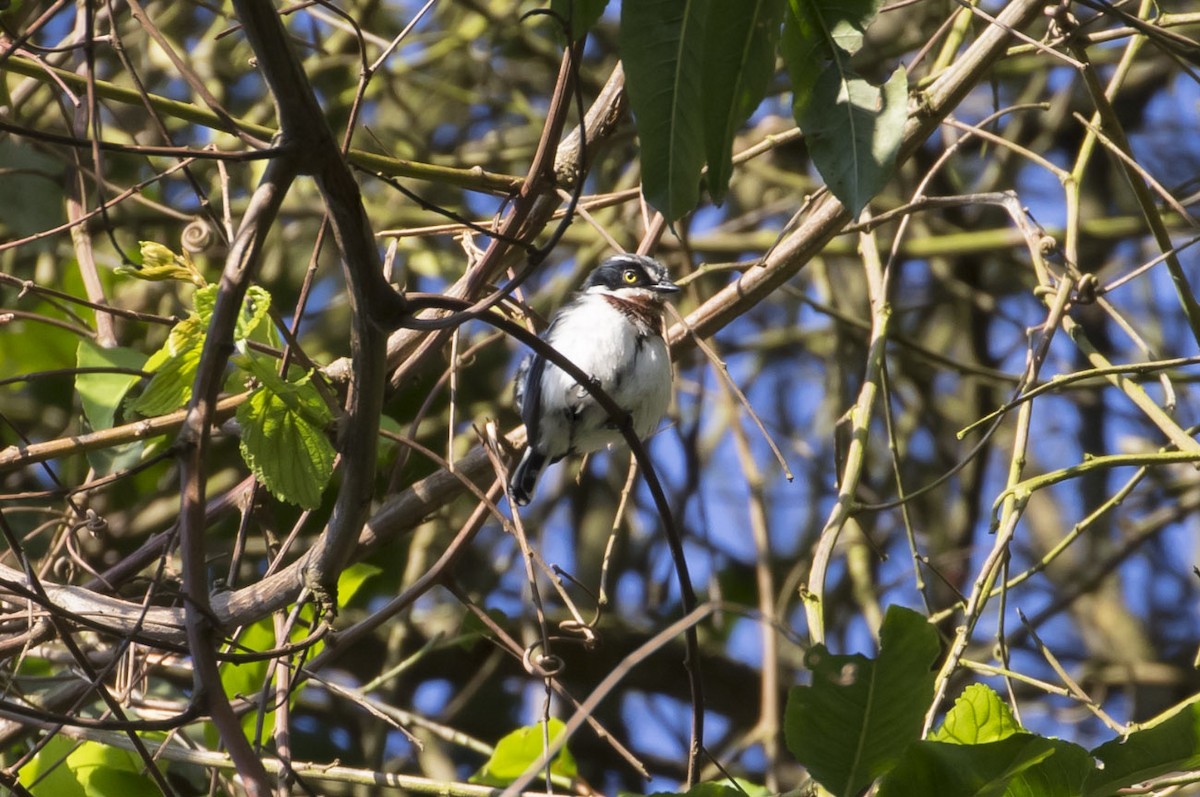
{"x":631,"y":276}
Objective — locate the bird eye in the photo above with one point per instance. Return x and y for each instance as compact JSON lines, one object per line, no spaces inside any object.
{"x":630,"y":276}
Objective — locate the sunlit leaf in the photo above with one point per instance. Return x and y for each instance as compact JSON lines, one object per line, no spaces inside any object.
{"x":978,"y":716}
{"x":104,"y":771}
{"x":517,"y":751}
{"x":855,"y":720}
{"x":174,"y":366}
{"x":48,"y":772}
{"x":283,"y":440}
{"x":160,"y":263}
{"x":255,"y":307}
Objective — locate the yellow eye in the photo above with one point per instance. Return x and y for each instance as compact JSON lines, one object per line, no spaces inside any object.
{"x":630,"y":276}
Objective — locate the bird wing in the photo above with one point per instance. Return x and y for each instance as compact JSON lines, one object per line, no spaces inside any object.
{"x":529,"y":394}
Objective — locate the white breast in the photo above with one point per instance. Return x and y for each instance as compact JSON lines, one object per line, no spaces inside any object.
{"x":634,"y":369}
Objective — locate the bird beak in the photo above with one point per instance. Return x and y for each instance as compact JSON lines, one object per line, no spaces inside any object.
{"x":666,"y":286}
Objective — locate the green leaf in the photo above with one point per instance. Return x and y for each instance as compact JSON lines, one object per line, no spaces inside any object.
{"x":255,"y":306}
{"x":174,"y":367}
{"x":100,"y":394}
{"x":978,"y":716}
{"x":160,"y":263}
{"x":37,"y":179}
{"x":739,"y":58}
{"x":821,"y":33}
{"x":247,"y":678}
{"x":852,"y":128}
{"x":1061,"y":775}
{"x":104,"y":771}
{"x":582,"y":14}
{"x":855,"y":720}
{"x":853,"y":132}
{"x":283,"y":440}
{"x":352,"y":579}
{"x":662,"y":49}
{"x":517,"y":751}
{"x":1171,"y":744}
{"x":48,"y":772}
{"x":964,"y":770}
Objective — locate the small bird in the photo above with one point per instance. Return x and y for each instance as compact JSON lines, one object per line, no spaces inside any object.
{"x":613,"y":330}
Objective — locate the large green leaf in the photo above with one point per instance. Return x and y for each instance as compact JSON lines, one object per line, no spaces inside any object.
{"x":1172,"y":744}
{"x":517,"y":751}
{"x":662,"y":48}
{"x":739,"y":58}
{"x":283,"y":438}
{"x":964,"y":770}
{"x":855,"y":720}
{"x":852,"y":128}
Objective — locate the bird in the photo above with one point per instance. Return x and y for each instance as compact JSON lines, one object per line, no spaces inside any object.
{"x":613,"y":330}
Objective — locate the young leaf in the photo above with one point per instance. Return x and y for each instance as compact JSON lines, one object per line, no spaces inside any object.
{"x":978,"y":716}
{"x":964,"y":770}
{"x":283,"y":440}
{"x":255,"y":307}
{"x":739,"y":57}
{"x":852,"y":724}
{"x":662,"y":48}
{"x":203,"y":301}
{"x":160,"y":263}
{"x":1172,"y":743}
{"x":174,"y":367}
{"x":517,"y":751}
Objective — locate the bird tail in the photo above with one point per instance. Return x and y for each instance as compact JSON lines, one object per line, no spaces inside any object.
{"x":524,"y":476}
